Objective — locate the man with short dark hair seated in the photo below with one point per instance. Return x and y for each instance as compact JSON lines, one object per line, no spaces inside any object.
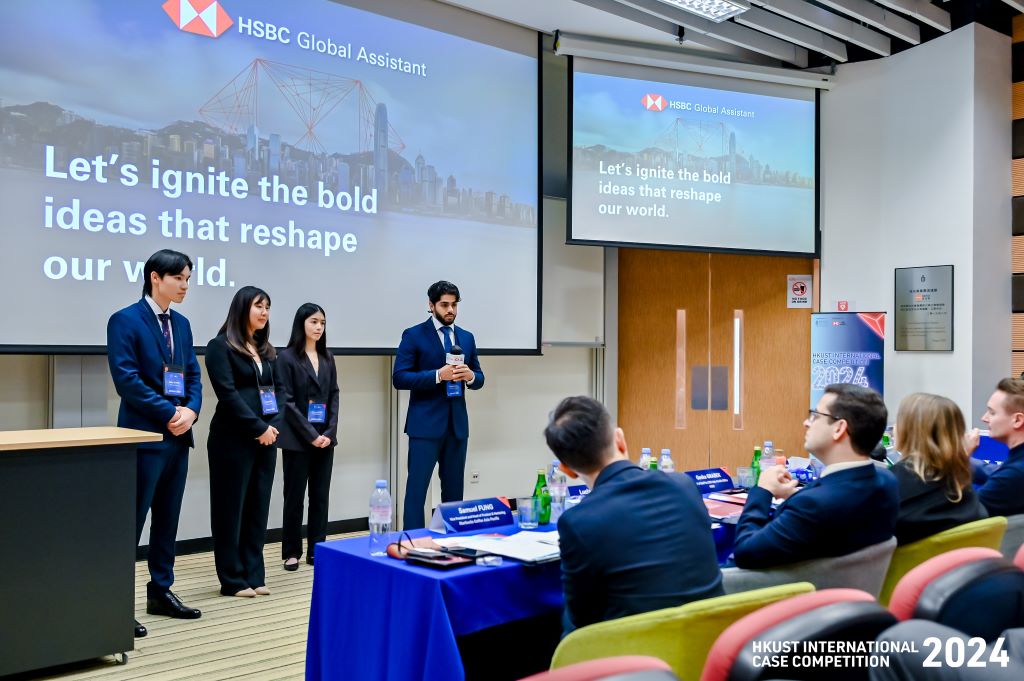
{"x":641,"y":540}
{"x":1001,"y":489}
{"x":851,"y":506}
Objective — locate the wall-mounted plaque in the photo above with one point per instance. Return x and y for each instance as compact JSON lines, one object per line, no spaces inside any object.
{"x":924,"y":308}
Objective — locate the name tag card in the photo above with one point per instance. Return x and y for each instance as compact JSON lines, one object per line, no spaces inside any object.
{"x":174,"y":380}
{"x":317,"y":412}
{"x":268,"y":401}
{"x":464,"y":516}
{"x":711,"y":480}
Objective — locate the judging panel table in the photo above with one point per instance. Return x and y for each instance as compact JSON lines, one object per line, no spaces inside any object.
{"x":374,"y":617}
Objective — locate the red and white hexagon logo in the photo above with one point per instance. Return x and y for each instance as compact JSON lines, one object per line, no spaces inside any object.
{"x":202,"y":17}
{"x":653,"y":102}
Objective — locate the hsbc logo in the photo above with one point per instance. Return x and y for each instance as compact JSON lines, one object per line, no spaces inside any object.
{"x":202,"y":17}
{"x":653,"y":102}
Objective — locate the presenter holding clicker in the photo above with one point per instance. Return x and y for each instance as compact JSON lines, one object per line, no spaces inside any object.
{"x":154,"y":369}
{"x":436,"y":362}
{"x":241,"y":446}
{"x":309,"y":431}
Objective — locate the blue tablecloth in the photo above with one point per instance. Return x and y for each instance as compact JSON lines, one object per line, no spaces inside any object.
{"x":379,"y":618}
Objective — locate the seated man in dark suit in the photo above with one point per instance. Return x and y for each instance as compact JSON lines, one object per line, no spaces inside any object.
{"x":1001,"y":489}
{"x":641,"y":540}
{"x":851,"y":506}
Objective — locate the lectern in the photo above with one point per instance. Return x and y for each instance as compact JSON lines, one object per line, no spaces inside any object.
{"x":67,"y":544}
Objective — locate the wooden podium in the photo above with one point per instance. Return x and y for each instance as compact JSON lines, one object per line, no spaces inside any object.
{"x":67,"y":544}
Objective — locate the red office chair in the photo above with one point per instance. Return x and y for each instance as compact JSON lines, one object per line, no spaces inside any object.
{"x":973,"y":590}
{"x":622,"y":668}
{"x":828,"y":615}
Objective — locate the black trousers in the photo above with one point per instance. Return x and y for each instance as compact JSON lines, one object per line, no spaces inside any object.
{"x":301,"y":467}
{"x":160,"y":485}
{"x":241,"y":477}
{"x":448,"y":453}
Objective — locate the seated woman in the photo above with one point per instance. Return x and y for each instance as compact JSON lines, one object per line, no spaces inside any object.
{"x":935,"y":473}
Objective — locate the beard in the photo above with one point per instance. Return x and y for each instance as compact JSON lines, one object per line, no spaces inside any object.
{"x":440,"y":317}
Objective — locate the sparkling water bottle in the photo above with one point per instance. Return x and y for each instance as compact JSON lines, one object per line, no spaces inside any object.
{"x":380,"y":518}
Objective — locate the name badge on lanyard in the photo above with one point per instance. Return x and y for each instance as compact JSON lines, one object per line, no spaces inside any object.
{"x":317,"y":412}
{"x":174,"y":380}
{"x":268,"y":400}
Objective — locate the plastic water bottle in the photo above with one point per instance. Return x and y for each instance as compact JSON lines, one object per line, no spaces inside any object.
{"x":768,"y":452}
{"x":380,"y":518}
{"x":645,"y":458}
{"x":558,"y":486}
{"x":665,"y":463}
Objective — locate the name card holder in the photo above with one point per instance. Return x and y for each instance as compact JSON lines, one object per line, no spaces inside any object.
{"x":466,"y":516}
{"x":711,"y":480}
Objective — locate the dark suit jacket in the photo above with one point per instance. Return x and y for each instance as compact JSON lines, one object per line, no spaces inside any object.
{"x":926,"y":509}
{"x":420,"y":355}
{"x":843,"y":512}
{"x":295,"y":372}
{"x":640,"y":541}
{"x":233,"y":376}
{"x":136,"y":352}
{"x":1002,"y":491}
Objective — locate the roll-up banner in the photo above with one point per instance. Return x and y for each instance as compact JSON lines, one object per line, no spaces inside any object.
{"x":847,"y":347}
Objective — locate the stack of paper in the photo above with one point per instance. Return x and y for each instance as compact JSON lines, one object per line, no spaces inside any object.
{"x":529,"y":547}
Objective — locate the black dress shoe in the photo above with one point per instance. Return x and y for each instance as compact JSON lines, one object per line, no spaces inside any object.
{"x":291,"y":567}
{"x":169,"y":605}
{"x":140,"y":630}
{"x":309,"y":559}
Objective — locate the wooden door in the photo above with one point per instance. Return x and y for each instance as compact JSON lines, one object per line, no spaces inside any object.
{"x":678,"y":323}
{"x":663,"y":323}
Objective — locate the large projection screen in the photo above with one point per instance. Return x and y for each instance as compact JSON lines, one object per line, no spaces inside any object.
{"x":672,"y":159}
{"x":344,"y":153}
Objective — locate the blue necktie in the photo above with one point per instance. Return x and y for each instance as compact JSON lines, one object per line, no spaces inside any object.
{"x":166,"y":329}
{"x":447,"y":338}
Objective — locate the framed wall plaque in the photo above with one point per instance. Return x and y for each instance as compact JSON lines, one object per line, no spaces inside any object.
{"x":924,"y":309}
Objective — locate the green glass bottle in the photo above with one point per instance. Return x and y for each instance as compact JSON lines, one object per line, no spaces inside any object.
{"x":755,"y":463}
{"x":652,"y":465}
{"x":543,"y":495}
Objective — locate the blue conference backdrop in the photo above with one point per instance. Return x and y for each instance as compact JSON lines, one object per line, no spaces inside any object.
{"x":325,"y":152}
{"x":847,"y":347}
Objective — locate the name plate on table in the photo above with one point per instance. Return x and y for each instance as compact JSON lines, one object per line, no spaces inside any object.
{"x":577,"y":491}
{"x":711,"y":480}
{"x":477,"y":514}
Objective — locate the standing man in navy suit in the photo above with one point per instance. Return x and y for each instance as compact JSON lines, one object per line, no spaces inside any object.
{"x":437,"y":423}
{"x":155,"y":371}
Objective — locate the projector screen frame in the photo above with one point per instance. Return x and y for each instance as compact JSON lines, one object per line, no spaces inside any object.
{"x":569,"y":240}
{"x":95,"y":350}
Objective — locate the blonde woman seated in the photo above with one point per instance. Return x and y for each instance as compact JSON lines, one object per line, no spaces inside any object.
{"x":935,"y":473}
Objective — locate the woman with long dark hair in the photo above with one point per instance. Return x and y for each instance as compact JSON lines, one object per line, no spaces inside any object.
{"x":241,"y":446}
{"x":309,"y":431}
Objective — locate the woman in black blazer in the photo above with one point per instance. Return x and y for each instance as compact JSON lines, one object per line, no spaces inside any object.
{"x":934,"y":473}
{"x":309,"y":431}
{"x":244,"y":429}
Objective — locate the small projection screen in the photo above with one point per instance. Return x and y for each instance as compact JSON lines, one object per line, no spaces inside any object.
{"x":669,"y":159}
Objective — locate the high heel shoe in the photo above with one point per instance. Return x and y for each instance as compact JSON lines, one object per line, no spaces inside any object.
{"x":246,"y":593}
{"x":262,"y":591}
{"x":291,"y":565}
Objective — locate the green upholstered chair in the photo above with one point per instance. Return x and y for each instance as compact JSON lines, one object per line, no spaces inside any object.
{"x":681,"y":636}
{"x":987,"y":533}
